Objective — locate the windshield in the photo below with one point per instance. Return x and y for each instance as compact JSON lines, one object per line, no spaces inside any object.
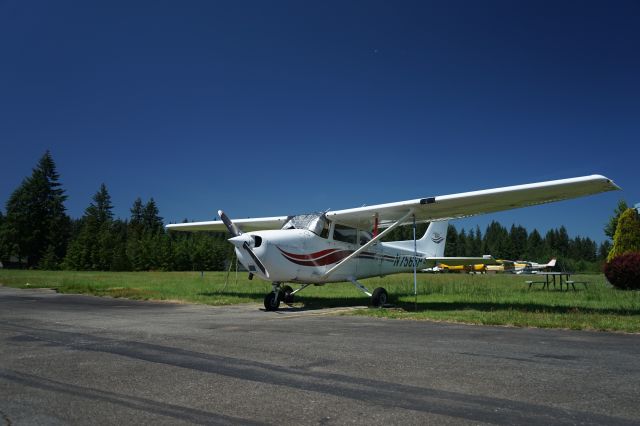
{"x":314,"y":222}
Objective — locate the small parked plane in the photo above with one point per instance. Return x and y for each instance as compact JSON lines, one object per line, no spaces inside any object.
{"x":344,"y":245}
{"x":520,"y":266}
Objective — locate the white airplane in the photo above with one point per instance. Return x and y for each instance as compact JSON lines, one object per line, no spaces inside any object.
{"x":344,"y":245}
{"x":526,"y":267}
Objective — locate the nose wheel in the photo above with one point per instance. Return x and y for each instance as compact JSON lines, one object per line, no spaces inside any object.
{"x":279,"y":294}
{"x":271,"y":301}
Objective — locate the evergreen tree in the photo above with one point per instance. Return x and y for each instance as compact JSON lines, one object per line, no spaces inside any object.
{"x":137,"y":215}
{"x":627,"y":236}
{"x":120,"y":261}
{"x":496,"y":241}
{"x":36,"y":221}
{"x":562,"y":242}
{"x":94,"y":246}
{"x":151,"y":218}
{"x":461,"y":246}
{"x":451,"y":247}
{"x":518,"y":237}
{"x":610,"y":227}
{"x":101,"y":210}
{"x":535,"y":247}
{"x":604,"y":249}
{"x":476,"y":243}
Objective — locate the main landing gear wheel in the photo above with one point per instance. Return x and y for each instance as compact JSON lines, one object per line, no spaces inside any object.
{"x":379,"y":297}
{"x":272,"y":301}
{"x":286,"y":295}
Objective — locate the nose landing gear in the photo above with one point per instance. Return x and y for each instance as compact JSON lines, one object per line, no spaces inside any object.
{"x":271,"y":301}
{"x":280,"y":293}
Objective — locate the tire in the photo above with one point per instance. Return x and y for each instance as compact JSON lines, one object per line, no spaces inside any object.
{"x":285,"y":295}
{"x":271,"y":302}
{"x":379,"y":297}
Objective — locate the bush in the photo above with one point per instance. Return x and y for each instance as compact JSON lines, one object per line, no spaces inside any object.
{"x":623,"y":271}
{"x":627,"y":236}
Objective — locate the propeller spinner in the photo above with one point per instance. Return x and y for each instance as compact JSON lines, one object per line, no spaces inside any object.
{"x":242,"y":241}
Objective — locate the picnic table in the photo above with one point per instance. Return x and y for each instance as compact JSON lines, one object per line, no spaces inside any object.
{"x":561,"y":278}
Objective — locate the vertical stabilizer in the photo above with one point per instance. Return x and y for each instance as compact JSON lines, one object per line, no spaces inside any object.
{"x":434,"y":240}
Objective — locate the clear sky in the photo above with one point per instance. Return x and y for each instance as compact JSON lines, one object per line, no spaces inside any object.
{"x":266,"y":108}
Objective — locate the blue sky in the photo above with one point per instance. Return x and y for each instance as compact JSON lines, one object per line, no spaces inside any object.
{"x":273,"y":108}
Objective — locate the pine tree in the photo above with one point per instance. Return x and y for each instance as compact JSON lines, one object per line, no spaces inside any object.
{"x":476,"y":248}
{"x":151,"y":219}
{"x":604,"y":249}
{"x":101,"y":210}
{"x":461,"y":245}
{"x":451,"y":247}
{"x":535,"y":247}
{"x":610,"y":227}
{"x":137,"y":217}
{"x":36,"y":221}
{"x":496,"y":241}
{"x":562,"y":242}
{"x":93,"y":248}
{"x":518,"y":238}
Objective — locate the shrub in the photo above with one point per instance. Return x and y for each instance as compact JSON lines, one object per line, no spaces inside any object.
{"x":627,"y":236}
{"x":623,"y":271}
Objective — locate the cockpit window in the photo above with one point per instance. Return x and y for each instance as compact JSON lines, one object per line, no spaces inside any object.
{"x":345,"y":234}
{"x":314,"y":222}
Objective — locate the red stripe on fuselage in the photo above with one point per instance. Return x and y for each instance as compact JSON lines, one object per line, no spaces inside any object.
{"x":307,"y":256}
{"x":325,"y":257}
{"x":335,"y":256}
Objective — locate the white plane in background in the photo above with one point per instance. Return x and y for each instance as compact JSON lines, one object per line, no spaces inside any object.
{"x":527,"y":267}
{"x":344,"y":245}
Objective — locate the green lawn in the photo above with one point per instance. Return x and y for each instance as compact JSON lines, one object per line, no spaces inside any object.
{"x":478,"y":299}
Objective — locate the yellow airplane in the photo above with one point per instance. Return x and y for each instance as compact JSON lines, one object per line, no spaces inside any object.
{"x":520,"y":266}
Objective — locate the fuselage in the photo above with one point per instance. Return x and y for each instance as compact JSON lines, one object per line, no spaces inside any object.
{"x":301,"y":256}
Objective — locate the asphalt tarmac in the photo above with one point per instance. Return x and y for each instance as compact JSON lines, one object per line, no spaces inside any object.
{"x":68,"y":359}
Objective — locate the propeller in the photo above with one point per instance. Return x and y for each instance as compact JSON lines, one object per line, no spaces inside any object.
{"x":240,"y":240}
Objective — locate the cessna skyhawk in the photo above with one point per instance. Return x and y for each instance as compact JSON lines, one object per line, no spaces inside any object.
{"x":344,"y":245}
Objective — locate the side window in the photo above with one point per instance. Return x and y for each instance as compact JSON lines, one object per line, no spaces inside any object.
{"x":345,"y":234}
{"x":364,"y":237}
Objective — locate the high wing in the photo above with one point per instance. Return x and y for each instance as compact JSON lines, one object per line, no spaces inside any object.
{"x":247,"y":225}
{"x":434,"y":208}
{"x":473,"y":203}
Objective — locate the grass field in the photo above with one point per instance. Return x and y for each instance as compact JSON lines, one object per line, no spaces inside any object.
{"x":477,"y":299}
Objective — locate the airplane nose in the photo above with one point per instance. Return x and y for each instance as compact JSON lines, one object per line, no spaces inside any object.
{"x":240,"y":240}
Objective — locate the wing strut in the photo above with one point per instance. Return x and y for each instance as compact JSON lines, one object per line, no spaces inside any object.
{"x":372,"y":241}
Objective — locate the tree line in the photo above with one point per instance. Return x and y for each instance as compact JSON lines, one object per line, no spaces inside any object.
{"x":36,"y":232}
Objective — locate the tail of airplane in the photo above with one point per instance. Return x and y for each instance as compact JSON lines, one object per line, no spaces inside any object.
{"x":434,"y":240}
{"x":551,"y":263}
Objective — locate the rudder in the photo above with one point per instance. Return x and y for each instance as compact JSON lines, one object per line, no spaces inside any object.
{"x":433,"y":241}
